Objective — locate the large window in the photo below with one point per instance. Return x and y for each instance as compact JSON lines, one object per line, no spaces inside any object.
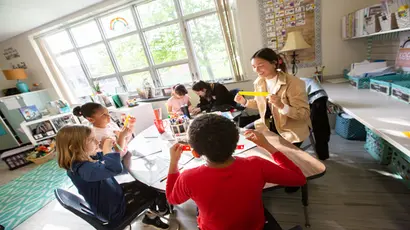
{"x":164,"y":42}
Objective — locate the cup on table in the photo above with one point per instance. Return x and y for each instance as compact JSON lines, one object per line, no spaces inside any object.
{"x":160,"y":126}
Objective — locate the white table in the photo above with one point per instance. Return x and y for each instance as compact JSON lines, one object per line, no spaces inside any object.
{"x":150,"y":159}
{"x":384,"y":115}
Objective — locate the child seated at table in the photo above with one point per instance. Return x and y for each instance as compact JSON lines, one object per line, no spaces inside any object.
{"x":93,"y":173}
{"x":101,"y":121}
{"x":227,"y":189}
{"x":178,"y":99}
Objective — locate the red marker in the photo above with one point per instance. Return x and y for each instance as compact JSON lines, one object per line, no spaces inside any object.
{"x":240,"y":147}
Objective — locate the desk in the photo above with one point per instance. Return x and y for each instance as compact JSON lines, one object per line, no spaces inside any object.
{"x":150,"y":159}
{"x":384,"y":115}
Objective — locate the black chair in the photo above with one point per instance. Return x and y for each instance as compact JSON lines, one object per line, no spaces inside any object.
{"x":81,"y":208}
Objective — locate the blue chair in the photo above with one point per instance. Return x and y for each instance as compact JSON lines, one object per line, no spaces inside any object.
{"x":81,"y":208}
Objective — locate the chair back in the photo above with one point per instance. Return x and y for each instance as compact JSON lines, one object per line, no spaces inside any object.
{"x":79,"y":207}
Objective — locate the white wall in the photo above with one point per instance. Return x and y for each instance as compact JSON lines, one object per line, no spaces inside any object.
{"x":337,"y":54}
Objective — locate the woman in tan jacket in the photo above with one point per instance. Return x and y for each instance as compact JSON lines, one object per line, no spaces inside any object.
{"x":287,"y":100}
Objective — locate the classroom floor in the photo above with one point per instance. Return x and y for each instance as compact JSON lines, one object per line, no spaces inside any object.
{"x":356,"y":193}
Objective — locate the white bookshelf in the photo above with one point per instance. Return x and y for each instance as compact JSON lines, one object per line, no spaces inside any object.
{"x":379,"y":33}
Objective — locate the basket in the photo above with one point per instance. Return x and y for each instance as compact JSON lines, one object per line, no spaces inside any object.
{"x":378,"y":148}
{"x":383,"y":84}
{"x":364,"y":82}
{"x":403,"y":18}
{"x":44,"y":159}
{"x":350,"y":128}
{"x":401,"y":91}
{"x":400,"y":165}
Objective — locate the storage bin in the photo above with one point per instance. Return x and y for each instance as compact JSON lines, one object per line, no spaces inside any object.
{"x":16,"y":158}
{"x":401,"y":91}
{"x":400,"y":165}
{"x":403,"y":19}
{"x":378,"y":148}
{"x":383,"y":85}
{"x":349,"y":128}
{"x":364,"y":82}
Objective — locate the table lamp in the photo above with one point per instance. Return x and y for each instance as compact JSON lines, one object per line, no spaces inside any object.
{"x":295,"y":41}
{"x":17,"y":74}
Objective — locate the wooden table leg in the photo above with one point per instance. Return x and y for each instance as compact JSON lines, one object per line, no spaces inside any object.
{"x":305,"y":202}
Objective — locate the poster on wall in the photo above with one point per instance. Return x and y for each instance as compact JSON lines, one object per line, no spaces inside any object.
{"x":10,"y":53}
{"x":284,"y":16}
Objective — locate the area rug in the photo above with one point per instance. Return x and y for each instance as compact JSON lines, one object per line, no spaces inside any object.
{"x":24,"y":196}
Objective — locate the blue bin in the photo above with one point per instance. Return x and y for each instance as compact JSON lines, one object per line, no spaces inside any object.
{"x":350,"y":128}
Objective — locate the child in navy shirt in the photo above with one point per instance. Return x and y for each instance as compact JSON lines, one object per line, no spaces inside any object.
{"x":93,"y":175}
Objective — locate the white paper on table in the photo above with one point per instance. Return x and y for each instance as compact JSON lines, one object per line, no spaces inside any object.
{"x":247,"y":145}
{"x":144,"y":147}
{"x":337,"y":80}
{"x":186,"y":156}
{"x":11,"y":103}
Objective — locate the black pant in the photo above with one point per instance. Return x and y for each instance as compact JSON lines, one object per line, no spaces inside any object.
{"x":321,"y":127}
{"x":272,"y":128}
{"x":137,"y":193}
{"x":270,"y":222}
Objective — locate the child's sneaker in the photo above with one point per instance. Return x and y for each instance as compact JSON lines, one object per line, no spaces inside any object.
{"x":156,"y":222}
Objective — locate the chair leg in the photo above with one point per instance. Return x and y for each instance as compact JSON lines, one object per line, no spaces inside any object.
{"x":313,"y":142}
{"x":305,"y":202}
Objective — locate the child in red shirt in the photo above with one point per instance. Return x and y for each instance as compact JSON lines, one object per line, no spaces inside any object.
{"x":227,"y":189}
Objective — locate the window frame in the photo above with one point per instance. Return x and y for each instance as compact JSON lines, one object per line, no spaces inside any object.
{"x":181,"y":20}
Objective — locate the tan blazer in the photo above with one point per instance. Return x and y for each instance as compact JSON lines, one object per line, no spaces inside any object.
{"x":294,"y":126}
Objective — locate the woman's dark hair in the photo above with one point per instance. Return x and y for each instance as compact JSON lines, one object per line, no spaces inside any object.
{"x":200,"y":85}
{"x":272,"y":57}
{"x":214,"y":136}
{"x":180,"y":90}
{"x":87,"y":110}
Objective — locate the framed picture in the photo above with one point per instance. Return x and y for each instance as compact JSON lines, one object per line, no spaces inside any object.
{"x":30,"y":113}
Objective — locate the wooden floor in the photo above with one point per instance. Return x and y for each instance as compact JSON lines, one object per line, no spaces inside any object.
{"x":355,"y":194}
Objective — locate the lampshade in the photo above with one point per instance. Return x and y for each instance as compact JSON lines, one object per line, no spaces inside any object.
{"x":15,"y":74}
{"x":295,"y":41}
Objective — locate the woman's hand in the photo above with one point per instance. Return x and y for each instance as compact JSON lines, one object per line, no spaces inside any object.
{"x":107,"y":145}
{"x":240,"y":99}
{"x":196,"y":111}
{"x":259,"y":139}
{"x":276,"y":101}
{"x":175,"y":153}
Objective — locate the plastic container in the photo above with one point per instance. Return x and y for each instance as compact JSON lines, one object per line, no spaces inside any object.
{"x":383,"y":84}
{"x":349,"y":128}
{"x":364,"y":82}
{"x":378,"y":148}
{"x":400,"y":165}
{"x":401,"y":91}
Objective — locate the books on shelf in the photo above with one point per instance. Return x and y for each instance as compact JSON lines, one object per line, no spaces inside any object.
{"x":362,"y":22}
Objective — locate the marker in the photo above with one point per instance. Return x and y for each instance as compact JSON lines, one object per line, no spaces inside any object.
{"x":256,"y":94}
{"x":407,"y":134}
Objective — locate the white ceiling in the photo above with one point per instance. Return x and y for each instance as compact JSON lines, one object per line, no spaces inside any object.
{"x":18,"y":16}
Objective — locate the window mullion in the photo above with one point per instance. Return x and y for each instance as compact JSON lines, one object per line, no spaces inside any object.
{"x":110,"y":54}
{"x":154,"y":73}
{"x":187,"y":41}
{"x":87,"y":72}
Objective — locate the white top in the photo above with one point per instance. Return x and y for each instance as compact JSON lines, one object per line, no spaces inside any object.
{"x":384,"y":115}
{"x":271,"y":83}
{"x":108,"y":131}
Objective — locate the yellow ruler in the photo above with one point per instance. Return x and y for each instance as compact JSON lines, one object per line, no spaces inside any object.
{"x":247,"y":93}
{"x":407,"y":134}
